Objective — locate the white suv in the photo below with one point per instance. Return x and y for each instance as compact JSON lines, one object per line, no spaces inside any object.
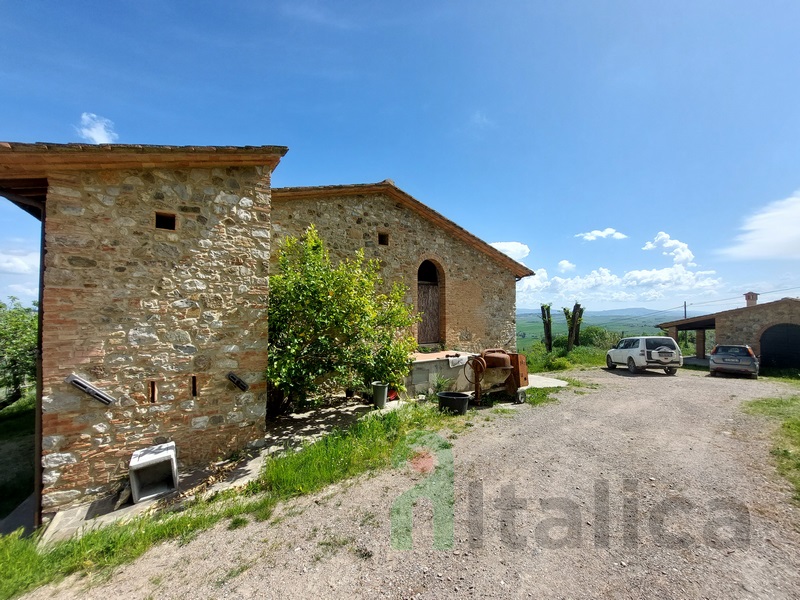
{"x":647,"y":352}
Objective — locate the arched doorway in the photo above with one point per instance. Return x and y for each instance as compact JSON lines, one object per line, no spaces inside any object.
{"x":780,"y":346}
{"x":428,"y":299}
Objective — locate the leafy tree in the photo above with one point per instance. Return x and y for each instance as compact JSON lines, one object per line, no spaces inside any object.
{"x":328,"y":325}
{"x":18,"y":343}
{"x":599,"y":337}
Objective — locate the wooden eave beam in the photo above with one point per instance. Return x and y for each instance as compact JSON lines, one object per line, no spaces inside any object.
{"x":21,"y":161}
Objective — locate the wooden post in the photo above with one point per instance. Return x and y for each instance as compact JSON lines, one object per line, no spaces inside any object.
{"x":548,"y":327}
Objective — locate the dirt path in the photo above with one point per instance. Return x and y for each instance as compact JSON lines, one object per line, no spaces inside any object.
{"x":646,"y":486}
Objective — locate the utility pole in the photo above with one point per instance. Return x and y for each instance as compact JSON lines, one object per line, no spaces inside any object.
{"x":685,"y":332}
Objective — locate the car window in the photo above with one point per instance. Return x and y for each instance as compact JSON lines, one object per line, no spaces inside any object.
{"x":634,"y":343}
{"x":655,"y":343}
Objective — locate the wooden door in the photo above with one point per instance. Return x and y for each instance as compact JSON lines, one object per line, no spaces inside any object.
{"x":428,"y":305}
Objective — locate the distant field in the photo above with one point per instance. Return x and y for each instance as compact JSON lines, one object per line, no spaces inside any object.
{"x":530,"y":329}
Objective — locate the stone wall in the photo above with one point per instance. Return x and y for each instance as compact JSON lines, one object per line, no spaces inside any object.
{"x":479,"y":294}
{"x":152,"y":316}
{"x":746,"y":325}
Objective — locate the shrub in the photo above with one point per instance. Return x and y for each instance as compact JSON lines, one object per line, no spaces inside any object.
{"x":558,"y":363}
{"x":18,"y":341}
{"x":329,"y":326}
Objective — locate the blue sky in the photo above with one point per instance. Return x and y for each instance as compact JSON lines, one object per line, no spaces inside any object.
{"x":632,"y":153}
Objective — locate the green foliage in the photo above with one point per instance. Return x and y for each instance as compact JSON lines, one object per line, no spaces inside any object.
{"x":599,"y":337}
{"x":328,"y":324}
{"x":541,"y":361}
{"x":17,"y":423}
{"x":18,"y":419}
{"x":537,"y":396}
{"x":787,"y":440}
{"x":18,"y":341}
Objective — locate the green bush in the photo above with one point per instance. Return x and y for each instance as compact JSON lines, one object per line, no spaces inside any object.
{"x":558,"y":363}
{"x":19,"y":327}
{"x":329,"y":326}
{"x":599,"y":337}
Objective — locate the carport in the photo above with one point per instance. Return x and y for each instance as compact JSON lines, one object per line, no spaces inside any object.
{"x":771,"y":329}
{"x":697,"y":324}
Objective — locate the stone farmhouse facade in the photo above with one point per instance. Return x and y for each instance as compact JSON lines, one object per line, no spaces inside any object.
{"x":771,"y":329}
{"x":465,"y":288}
{"x":154,"y":289}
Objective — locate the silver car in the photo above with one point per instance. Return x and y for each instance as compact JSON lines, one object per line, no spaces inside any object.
{"x":725,"y":358}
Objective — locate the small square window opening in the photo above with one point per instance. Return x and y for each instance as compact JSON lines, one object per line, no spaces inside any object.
{"x":383,"y":239}
{"x":165,"y":221}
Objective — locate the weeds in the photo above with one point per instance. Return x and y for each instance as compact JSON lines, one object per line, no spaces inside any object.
{"x":537,"y":396}
{"x":237,"y":522}
{"x":787,"y":438}
{"x":579,"y":384}
{"x":541,"y":361}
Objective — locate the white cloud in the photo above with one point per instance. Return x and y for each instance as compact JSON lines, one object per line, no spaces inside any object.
{"x":480,"y":120}
{"x":604,"y":286}
{"x":18,"y":262}
{"x":30,"y":290}
{"x":565,"y":266}
{"x":681,"y":255}
{"x":771,"y":233}
{"x":596,"y":233}
{"x":96,"y":129}
{"x":515,"y":250}
{"x":312,"y":13}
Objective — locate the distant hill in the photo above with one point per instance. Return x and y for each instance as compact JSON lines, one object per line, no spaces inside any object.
{"x":660,"y":315}
{"x":624,"y":321}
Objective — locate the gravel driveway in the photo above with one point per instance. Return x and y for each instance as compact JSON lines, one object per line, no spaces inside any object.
{"x":644,"y":486}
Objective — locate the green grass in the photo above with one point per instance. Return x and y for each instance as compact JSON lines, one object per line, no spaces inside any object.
{"x":17,"y":422}
{"x":787,"y":439}
{"x":541,"y":361}
{"x":18,"y":419}
{"x":537,"y":396}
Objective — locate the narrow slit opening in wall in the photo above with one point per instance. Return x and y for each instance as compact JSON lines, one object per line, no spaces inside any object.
{"x":153,"y":392}
{"x":194,"y":386}
{"x":383,"y":239}
{"x":165,"y":221}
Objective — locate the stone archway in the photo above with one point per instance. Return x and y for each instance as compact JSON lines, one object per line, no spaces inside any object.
{"x":780,"y":346}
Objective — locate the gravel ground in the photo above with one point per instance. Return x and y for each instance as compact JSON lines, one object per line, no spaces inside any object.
{"x":645,"y":486}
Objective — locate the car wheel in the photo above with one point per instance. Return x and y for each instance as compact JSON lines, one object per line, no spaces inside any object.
{"x":670,"y":370}
{"x":610,"y":363}
{"x":632,"y":366}
{"x":712,"y":373}
{"x":754,"y":376}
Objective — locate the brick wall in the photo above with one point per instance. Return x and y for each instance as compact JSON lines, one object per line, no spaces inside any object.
{"x":133,"y":308}
{"x":479,"y":294}
{"x":746,"y":325}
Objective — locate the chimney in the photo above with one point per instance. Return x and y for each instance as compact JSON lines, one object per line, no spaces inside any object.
{"x":751,"y":298}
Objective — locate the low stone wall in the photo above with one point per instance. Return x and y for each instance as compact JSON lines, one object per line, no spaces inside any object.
{"x":156,"y":286}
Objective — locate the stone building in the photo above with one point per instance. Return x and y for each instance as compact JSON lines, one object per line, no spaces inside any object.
{"x":772,"y":329}
{"x":154,"y":288}
{"x":464,"y":288}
